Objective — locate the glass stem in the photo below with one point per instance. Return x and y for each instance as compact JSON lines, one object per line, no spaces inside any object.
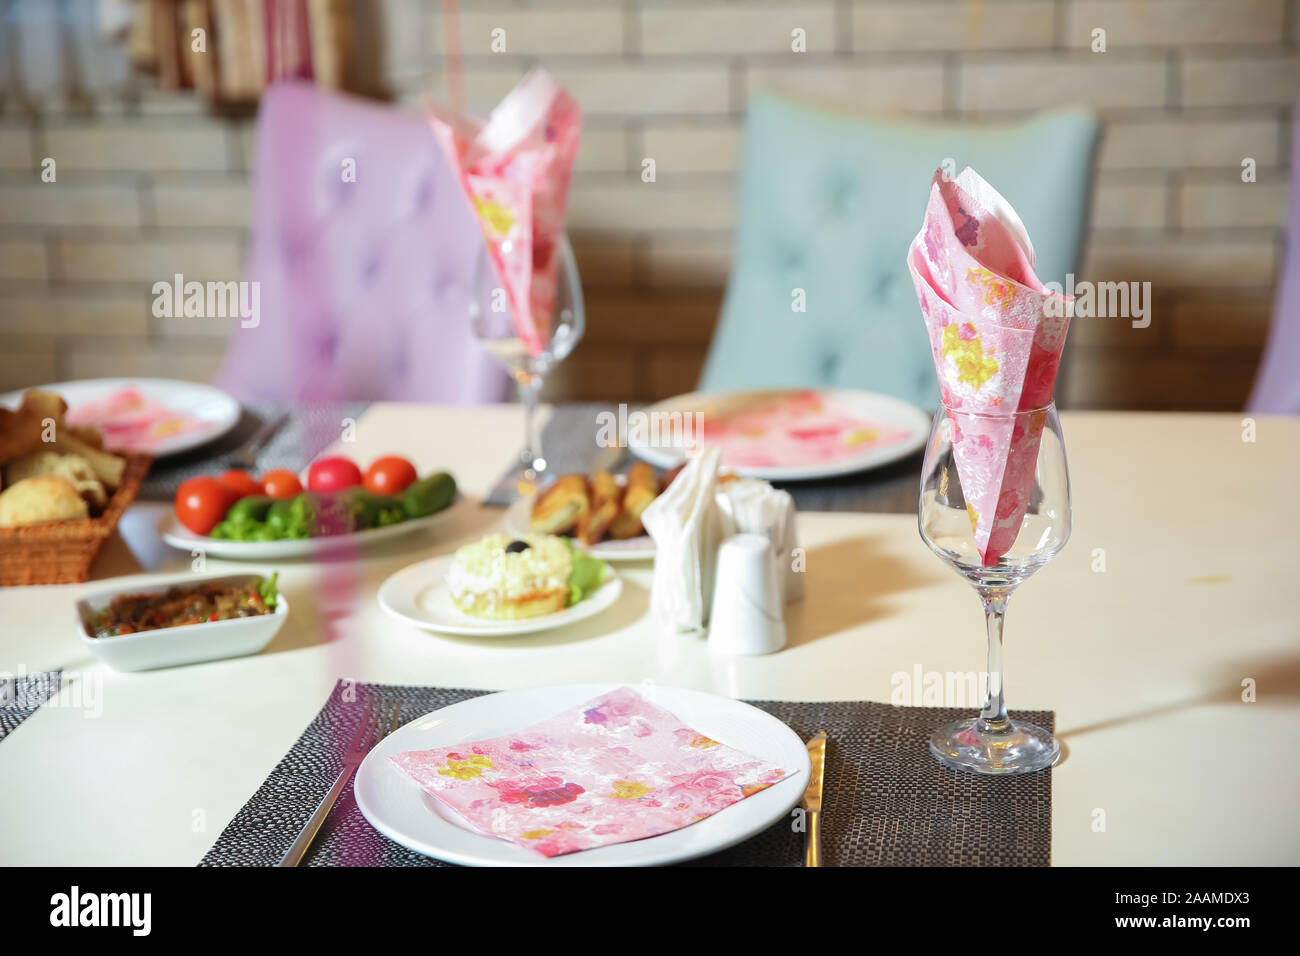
{"x":993,"y":718}
{"x":529,"y":390}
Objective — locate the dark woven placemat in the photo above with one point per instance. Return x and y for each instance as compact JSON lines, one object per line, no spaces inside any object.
{"x":887,"y":803}
{"x":309,"y":429}
{"x":21,"y":695}
{"x":569,"y":444}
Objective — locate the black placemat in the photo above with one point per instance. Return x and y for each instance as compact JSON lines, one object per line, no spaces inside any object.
{"x":569,"y":445}
{"x":887,"y":803}
{"x":21,"y":695}
{"x":309,"y":430}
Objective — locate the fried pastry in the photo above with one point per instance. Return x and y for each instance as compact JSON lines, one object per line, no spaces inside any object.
{"x":642,"y":487}
{"x":559,"y":508}
{"x":606,"y":502}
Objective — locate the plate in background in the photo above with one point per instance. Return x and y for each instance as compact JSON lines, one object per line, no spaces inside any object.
{"x":640,"y":548}
{"x":911,"y":424}
{"x":216,"y":410}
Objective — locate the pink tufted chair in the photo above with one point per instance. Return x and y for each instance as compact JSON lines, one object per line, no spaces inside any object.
{"x":1277,"y":384}
{"x":364,"y":284}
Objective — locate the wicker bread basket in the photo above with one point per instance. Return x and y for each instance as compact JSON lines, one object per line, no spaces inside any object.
{"x":62,"y":552}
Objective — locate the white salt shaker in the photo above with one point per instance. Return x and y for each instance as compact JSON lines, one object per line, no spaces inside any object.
{"x":747,"y":608}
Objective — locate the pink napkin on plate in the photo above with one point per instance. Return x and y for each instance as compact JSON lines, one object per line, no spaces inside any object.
{"x":614,"y":769}
{"x":996,"y":334}
{"x":515,"y":169}
{"x":129,"y":420}
{"x":791,"y":429}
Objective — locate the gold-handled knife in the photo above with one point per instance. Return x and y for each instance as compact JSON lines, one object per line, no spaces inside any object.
{"x":812,"y":801}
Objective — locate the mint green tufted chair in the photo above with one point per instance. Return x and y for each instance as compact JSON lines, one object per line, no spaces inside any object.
{"x":828,"y":205}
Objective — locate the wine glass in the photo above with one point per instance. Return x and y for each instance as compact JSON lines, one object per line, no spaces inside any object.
{"x":494,"y":328}
{"x":1035,"y":481}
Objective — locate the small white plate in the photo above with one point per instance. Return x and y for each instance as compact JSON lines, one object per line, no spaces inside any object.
{"x":872,"y":406}
{"x":642,"y":548}
{"x":399,"y":809}
{"x":187,"y":644}
{"x":179,"y":536}
{"x":418,"y":595}
{"x":217,"y":410}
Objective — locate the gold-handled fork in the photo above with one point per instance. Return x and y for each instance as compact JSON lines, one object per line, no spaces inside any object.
{"x":374,"y":728}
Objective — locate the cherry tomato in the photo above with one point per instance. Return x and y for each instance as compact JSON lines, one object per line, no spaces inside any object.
{"x":333,"y":474}
{"x":390,"y":475}
{"x":240,"y":483}
{"x":201,"y":503}
{"x":281,"y":483}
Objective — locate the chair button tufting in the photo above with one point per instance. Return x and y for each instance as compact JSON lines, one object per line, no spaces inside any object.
{"x":842,"y":197}
{"x":294,"y":249}
{"x":423,"y":195}
{"x":445,"y":288}
{"x":370,"y":269}
{"x":885,"y":287}
{"x":399,"y":364}
{"x":830,"y":364}
{"x":789,"y":259}
{"x":327,"y":346}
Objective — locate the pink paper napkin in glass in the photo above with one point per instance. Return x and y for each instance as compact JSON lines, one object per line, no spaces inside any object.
{"x":996,"y":334}
{"x":614,"y":769}
{"x":515,"y":169}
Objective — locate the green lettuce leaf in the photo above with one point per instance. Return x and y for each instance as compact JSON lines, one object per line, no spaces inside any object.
{"x":586,"y":576}
{"x":268,"y":590}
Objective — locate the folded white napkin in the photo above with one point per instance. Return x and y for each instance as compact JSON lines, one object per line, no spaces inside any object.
{"x":687,"y":527}
{"x":752,"y":506}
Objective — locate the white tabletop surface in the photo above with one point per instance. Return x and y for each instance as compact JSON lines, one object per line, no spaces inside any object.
{"x":1143,"y":661}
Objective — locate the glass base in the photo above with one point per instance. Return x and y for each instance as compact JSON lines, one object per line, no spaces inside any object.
{"x":1016,"y":748}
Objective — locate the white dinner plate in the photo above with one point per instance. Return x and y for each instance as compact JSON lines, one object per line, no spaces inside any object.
{"x":641,"y":548}
{"x":397,"y":807}
{"x":214,"y":408}
{"x":872,"y":406}
{"x":418,"y":595}
{"x":179,"y":536}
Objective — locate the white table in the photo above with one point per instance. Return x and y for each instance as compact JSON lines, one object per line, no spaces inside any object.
{"x":1143,"y":662}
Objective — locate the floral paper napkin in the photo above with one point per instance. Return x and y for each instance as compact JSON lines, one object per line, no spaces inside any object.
{"x":515,"y":169}
{"x":996,"y":333}
{"x":614,"y":769}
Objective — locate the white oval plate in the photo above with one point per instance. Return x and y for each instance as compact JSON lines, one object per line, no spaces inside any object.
{"x":881,"y":409}
{"x":418,"y":595}
{"x":179,"y":536}
{"x":217,"y":410}
{"x":399,"y":809}
{"x":519,"y":515}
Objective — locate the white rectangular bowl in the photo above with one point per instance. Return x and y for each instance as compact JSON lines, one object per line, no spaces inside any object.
{"x":186,"y":644}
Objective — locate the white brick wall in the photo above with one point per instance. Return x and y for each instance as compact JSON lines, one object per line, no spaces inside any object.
{"x":1186,"y":90}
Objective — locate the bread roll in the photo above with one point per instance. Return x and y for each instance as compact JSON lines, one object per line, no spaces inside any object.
{"x":74,"y":468}
{"x":43,"y":498}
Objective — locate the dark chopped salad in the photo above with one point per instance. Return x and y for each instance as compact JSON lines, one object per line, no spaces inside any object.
{"x":178,"y":606}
